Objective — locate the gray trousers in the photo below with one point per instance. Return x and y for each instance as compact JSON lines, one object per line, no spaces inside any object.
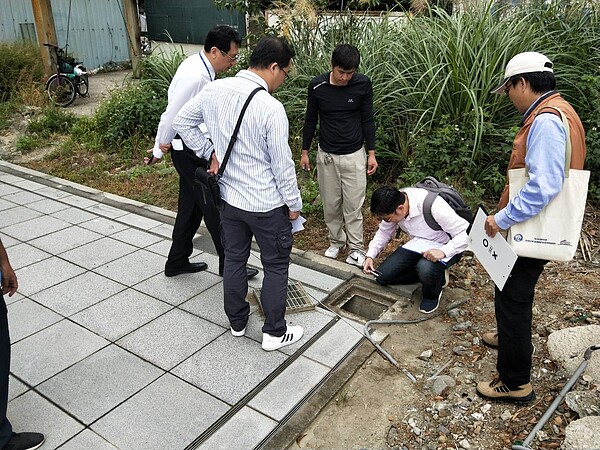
{"x":273,"y":233}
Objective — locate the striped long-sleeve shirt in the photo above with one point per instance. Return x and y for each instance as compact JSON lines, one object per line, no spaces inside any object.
{"x":260,"y":174}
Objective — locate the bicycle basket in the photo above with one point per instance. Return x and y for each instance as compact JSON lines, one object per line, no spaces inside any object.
{"x":66,"y":65}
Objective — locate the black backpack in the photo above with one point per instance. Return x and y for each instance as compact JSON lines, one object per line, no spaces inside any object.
{"x":449,"y":194}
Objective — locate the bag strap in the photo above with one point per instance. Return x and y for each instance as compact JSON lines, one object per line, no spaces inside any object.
{"x":568,"y":149}
{"x":235,"y":131}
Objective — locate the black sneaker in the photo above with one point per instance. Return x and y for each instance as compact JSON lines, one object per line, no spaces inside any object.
{"x":24,"y":441}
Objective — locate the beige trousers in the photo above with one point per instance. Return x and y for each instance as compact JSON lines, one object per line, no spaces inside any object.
{"x":342,"y":185}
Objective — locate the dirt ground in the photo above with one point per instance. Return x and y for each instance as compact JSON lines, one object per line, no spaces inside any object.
{"x":380,"y":407}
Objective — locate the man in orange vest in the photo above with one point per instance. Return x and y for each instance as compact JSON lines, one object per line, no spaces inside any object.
{"x":539,"y":146}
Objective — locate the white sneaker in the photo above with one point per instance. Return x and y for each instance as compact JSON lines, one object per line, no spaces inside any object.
{"x":292,"y":334}
{"x":238,"y":333}
{"x":332,"y":252}
{"x":356,"y":258}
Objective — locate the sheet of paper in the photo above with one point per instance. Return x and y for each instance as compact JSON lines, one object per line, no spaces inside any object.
{"x":298,"y":224}
{"x":494,"y":254}
{"x":420,"y":245}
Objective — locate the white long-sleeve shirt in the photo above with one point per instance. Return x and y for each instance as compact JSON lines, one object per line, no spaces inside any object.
{"x":192,"y":75}
{"x":415,"y":226}
{"x":260,"y":174}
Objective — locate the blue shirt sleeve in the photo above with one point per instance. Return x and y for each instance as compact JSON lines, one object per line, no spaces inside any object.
{"x":545,"y":162}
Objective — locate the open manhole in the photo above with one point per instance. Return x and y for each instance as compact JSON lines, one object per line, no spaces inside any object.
{"x":297,"y":298}
{"x":361,"y":300}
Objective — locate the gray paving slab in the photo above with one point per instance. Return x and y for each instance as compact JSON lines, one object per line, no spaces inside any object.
{"x":245,"y":430}
{"x":80,"y":202}
{"x":77,"y":293}
{"x":29,"y":185}
{"x":176,"y":290}
{"x":73,"y":215}
{"x":313,"y":278}
{"x":36,"y":227}
{"x":106,"y":211}
{"x":7,"y":177}
{"x":23,"y":254}
{"x":15,"y":388}
{"x":167,"y":414}
{"x":44,"y":354}
{"x":135,"y":237}
{"x":65,"y":240}
{"x":103,"y":226}
{"x":44,"y":274}
{"x":164,"y":230}
{"x":51,"y":192}
{"x":209,"y":305}
{"x":289,"y":387}
{"x":99,"y":383}
{"x":87,"y":440}
{"x":330,"y":348}
{"x":47,"y":206}
{"x":171,"y":338}
{"x":161,"y":248}
{"x":141,"y":222}
{"x":7,"y":189}
{"x":229,"y":367}
{"x":15,"y":298}
{"x":22,"y":197}
{"x":97,"y":253}
{"x":120,"y":314}
{"x":133,"y":267}
{"x":27,"y":317}
{"x":31,"y":412}
{"x":8,"y":241}
{"x":4,"y":204}
{"x":17,"y":214}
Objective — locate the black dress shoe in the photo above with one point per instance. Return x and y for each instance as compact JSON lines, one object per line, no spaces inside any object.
{"x":24,"y":441}
{"x":251,"y":272}
{"x":189,"y":268}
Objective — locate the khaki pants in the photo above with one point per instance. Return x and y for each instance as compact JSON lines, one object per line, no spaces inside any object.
{"x":342,"y":185}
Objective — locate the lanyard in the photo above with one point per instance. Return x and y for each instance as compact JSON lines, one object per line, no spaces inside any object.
{"x":205,"y":65}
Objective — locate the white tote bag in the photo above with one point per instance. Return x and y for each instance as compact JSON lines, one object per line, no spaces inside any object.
{"x":554,"y":233}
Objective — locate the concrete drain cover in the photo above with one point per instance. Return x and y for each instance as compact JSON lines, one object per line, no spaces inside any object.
{"x":361,"y":300}
{"x":297,"y":298}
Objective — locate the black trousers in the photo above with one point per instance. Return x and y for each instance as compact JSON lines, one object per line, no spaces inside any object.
{"x":190,"y":209}
{"x":5,"y":426}
{"x":273,"y":233}
{"x":513,"y":307}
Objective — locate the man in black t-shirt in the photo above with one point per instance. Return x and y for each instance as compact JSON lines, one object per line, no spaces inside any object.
{"x":342,"y":102}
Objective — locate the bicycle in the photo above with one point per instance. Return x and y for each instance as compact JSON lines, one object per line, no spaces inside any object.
{"x":70,"y":79}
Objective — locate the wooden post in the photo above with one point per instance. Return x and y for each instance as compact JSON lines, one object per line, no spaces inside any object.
{"x":46,"y":33}
{"x":133,"y":32}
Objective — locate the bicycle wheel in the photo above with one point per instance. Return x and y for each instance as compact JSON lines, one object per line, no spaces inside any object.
{"x":60,"y":90}
{"x":83,"y":85}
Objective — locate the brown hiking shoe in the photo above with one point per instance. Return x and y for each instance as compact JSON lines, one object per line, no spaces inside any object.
{"x":490,"y":339}
{"x":497,"y":390}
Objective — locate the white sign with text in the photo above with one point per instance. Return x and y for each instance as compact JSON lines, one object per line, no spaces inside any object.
{"x":494,"y":254}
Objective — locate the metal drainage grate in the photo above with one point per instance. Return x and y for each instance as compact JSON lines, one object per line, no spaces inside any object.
{"x":297,"y":298}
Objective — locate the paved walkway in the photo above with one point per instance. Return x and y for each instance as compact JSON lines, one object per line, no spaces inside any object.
{"x":109,"y":353}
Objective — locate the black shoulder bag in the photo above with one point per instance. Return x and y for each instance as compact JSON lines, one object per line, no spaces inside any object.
{"x":209,"y":183}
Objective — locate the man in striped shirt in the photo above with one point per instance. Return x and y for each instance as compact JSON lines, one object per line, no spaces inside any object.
{"x":258,"y":187}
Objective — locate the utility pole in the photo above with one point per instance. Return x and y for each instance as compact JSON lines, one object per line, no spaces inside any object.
{"x":46,"y":33}
{"x":133,"y":36}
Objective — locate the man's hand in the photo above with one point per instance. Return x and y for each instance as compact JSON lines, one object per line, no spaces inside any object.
{"x":293,"y":215}
{"x":214,"y":164}
{"x":371,"y":163}
{"x":368,"y":266}
{"x":434,"y":255}
{"x":304,"y":161}
{"x":165,"y":148}
{"x":491,"y":227}
{"x":9,"y":280}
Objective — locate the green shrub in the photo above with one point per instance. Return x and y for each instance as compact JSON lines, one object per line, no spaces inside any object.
{"x":26,"y":144}
{"x":20,"y":66}
{"x":53,"y":120}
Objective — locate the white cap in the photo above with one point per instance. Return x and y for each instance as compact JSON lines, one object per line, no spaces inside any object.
{"x":526,"y":62}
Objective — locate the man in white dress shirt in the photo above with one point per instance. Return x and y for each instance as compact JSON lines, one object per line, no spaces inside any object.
{"x":220,"y":52}
{"x":258,"y":187}
{"x":404,"y":209}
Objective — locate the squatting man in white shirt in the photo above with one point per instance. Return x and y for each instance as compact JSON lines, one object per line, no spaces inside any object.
{"x":404,"y":210}
{"x":259,"y":188}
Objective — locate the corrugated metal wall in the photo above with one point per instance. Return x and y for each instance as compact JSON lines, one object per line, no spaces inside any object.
{"x":97,"y":32}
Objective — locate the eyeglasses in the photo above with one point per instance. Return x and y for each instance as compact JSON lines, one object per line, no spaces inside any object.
{"x":507,"y":88}
{"x":231,"y":58}
{"x":388,"y":218}
{"x":287,"y":75}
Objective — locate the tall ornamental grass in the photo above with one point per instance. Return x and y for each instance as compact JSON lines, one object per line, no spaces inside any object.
{"x":432,"y":77}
